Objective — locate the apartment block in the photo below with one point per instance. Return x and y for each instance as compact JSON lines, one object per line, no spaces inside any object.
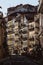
{"x":21,"y":28}
{"x":40,"y":13}
{"x":3,"y":43}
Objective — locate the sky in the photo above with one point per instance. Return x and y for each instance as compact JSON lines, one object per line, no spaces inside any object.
{"x":10,"y":3}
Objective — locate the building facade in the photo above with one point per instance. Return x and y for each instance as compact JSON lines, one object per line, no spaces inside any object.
{"x":40,"y":13}
{"x":3,"y":44}
{"x":21,"y":29}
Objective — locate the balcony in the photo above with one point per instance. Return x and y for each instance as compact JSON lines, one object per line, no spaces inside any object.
{"x":31,"y":33}
{"x":25,"y":43}
{"x":10,"y":42}
{"x":10,"y":36}
{"x":10,"y":24}
{"x":16,"y":33}
{"x":22,"y":19}
{"x":36,"y":31}
{"x":32,"y":23}
{"x":16,"y":23}
{"x":37,"y":25}
{"x":16,"y":37}
{"x":24,"y":35}
{"x":11,"y":48}
{"x":36,"y":18}
{"x":31,"y":38}
{"x":24,"y":25}
{"x":24,"y":38}
{"x":15,"y":30}
{"x":37,"y":42}
{"x":24,"y":32}
{"x":16,"y":27}
{"x":24,"y":46}
{"x":12,"y":39}
{"x":24,"y":29}
{"x":10,"y":30}
{"x":31,"y":27}
{"x":19,"y":26}
{"x":32,"y":42}
{"x":17,"y":41}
